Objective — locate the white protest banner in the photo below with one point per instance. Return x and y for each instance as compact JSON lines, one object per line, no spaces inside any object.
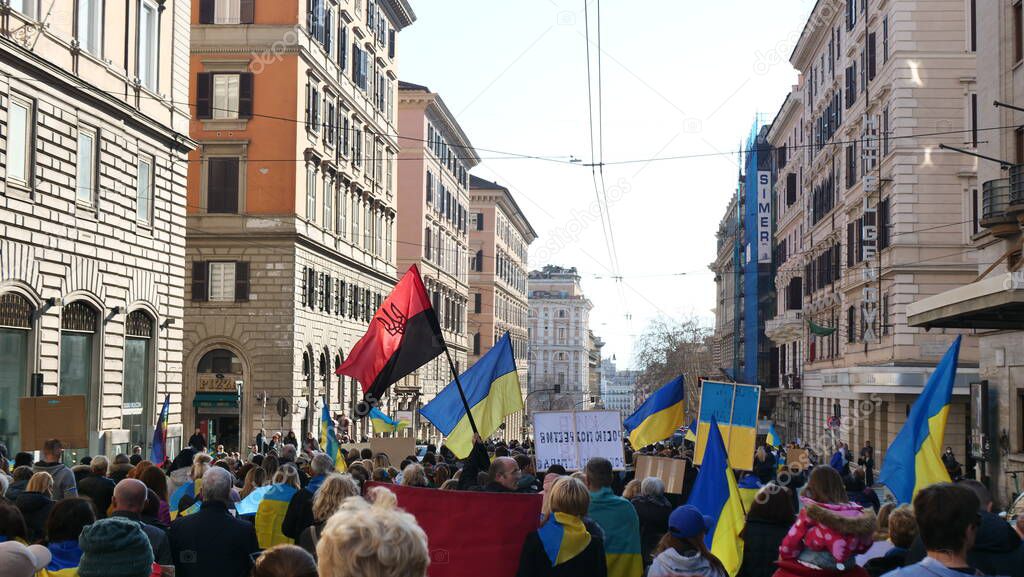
{"x":571,"y":438}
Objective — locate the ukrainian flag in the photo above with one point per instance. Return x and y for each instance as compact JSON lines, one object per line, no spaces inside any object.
{"x":563,"y":537}
{"x":914,"y":459}
{"x":749,"y":486}
{"x":188,"y":489}
{"x":660,"y":415}
{"x":270,"y":515}
{"x":492,"y":391}
{"x":329,"y":441}
{"x":385,"y":424}
{"x":691,"y":431}
{"x":716,"y":494}
{"x":772,"y":439}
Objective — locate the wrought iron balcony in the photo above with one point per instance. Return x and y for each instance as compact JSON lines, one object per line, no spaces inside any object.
{"x":1016,"y":196}
{"x":995,"y":204}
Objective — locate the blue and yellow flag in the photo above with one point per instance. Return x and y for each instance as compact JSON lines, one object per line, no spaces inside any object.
{"x":749,"y":486}
{"x":270,"y":515}
{"x":563,"y":537}
{"x":772,"y":439}
{"x":660,"y":415}
{"x":158,"y":450}
{"x":329,"y":441}
{"x":914,"y":459}
{"x":716,"y":495}
{"x":691,"y":431}
{"x":385,"y":424}
{"x":492,"y":391}
{"x":188,"y":489}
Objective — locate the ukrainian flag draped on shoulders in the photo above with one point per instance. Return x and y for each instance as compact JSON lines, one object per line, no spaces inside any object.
{"x":618,"y":519}
{"x":270,"y":515}
{"x":563,"y":537}
{"x":914,"y":459}
{"x":716,"y":494}
{"x":492,"y":391}
{"x":659,"y":416}
{"x":329,"y":441}
{"x":66,"y":556}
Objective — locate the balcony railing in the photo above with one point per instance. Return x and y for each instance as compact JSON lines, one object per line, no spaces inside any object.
{"x":996,"y":201}
{"x":1017,"y":185}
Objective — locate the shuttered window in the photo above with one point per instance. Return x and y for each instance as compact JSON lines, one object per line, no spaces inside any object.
{"x":222,"y":185}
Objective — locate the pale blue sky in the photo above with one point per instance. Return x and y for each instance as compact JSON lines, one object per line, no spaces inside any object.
{"x":680,"y":77}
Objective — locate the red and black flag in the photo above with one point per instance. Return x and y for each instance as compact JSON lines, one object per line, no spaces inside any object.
{"x":402,"y":337}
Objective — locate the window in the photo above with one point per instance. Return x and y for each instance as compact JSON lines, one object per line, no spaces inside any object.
{"x":479,"y":221}
{"x":476,"y":344}
{"x":428,"y":240}
{"x":328,"y":205}
{"x":973,"y":25}
{"x":137,"y":376}
{"x":974,"y":119}
{"x":227,"y":11}
{"x":477,"y":303}
{"x":1018,"y":32}
{"x":871,"y":53}
{"x":20,"y":124}
{"x":310,"y":193}
{"x":222,"y":281}
{"x":975,"y":215}
{"x":89,"y":26}
{"x":478,"y":261}
{"x":342,"y":210}
{"x":225,"y":96}
{"x":144,"y":190}
{"x":79,"y":322}
{"x":86,"y":171}
{"x":220,"y":361}
{"x":885,"y":39}
{"x":29,"y":8}
{"x":222,"y":176}
{"x":148,"y":44}
{"x":16,"y":314}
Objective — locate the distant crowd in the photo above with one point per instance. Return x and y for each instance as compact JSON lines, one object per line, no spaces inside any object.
{"x":284,"y":511}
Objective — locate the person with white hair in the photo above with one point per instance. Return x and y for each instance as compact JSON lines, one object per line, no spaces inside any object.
{"x":370,"y":540}
{"x":653,"y":509}
{"x":300,"y":509}
{"x":212,"y":541}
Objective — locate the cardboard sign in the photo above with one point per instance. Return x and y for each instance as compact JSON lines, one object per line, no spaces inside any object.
{"x":798,"y":457}
{"x":671,"y":471}
{"x":53,"y":417}
{"x":571,"y":438}
{"x":396,"y":448}
{"x":734,"y":406}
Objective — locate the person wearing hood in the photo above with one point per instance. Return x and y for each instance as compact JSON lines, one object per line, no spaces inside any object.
{"x":948,"y":523}
{"x":769,"y":518}
{"x":563,"y":546}
{"x":64,"y":484}
{"x":829,"y":532}
{"x":653,"y":510}
{"x":35,"y":505}
{"x":19,"y":480}
{"x":996,"y":548}
{"x":682,"y":552}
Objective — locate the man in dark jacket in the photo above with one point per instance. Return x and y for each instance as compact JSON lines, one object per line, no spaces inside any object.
{"x":128,"y":499}
{"x":197,"y":441}
{"x":97,"y":486}
{"x":300,"y":509}
{"x":503,"y":476}
{"x":528,"y":483}
{"x":997,"y":547}
{"x":211,"y":541}
{"x":20,"y":478}
{"x":63,"y":479}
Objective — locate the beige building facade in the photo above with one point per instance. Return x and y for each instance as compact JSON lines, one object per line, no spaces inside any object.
{"x":882,"y":212}
{"x":288,"y":261}
{"x":92,"y":195}
{"x":499,"y":238}
{"x":559,"y":349}
{"x":433,"y":230}
{"x":991,"y":302}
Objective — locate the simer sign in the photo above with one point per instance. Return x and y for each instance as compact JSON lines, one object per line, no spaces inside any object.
{"x":764,"y":216}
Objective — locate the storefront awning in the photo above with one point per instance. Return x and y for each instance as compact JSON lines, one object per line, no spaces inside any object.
{"x":210,"y":400}
{"x":992,"y":303}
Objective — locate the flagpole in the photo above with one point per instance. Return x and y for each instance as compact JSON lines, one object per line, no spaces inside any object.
{"x":458,"y":383}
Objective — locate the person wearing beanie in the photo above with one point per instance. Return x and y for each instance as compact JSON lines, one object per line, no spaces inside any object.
{"x":115,"y":547}
{"x":20,"y":560}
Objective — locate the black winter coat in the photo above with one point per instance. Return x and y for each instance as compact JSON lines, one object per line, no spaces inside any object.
{"x":35,"y":508}
{"x":534,"y":562}
{"x":653,"y":516}
{"x":299,"y":515}
{"x":100,"y":489}
{"x":212,"y":543}
{"x":761,"y":540}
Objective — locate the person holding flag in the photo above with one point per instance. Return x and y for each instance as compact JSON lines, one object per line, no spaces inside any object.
{"x":914,"y":459}
{"x":490,"y":387}
{"x":659,"y":416}
{"x":329,"y":440}
{"x":716,"y":494}
{"x":158,"y":453}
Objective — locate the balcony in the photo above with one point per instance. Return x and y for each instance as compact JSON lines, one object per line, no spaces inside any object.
{"x":785,"y":328}
{"x":995,"y":201}
{"x":1016,"y":189}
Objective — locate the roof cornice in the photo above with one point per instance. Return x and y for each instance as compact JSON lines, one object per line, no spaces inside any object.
{"x":818,"y":23}
{"x":402,"y":13}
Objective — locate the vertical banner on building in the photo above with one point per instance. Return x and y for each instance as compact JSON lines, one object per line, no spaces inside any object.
{"x":869,"y":229}
{"x":735,"y":408}
{"x":764,"y":216}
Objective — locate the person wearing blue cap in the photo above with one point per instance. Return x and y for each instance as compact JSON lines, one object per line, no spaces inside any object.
{"x":682,"y":550}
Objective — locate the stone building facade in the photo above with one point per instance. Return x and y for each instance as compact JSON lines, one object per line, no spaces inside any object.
{"x":499,"y":238}
{"x":291,"y":208}
{"x":559,"y":352}
{"x":92,"y":195}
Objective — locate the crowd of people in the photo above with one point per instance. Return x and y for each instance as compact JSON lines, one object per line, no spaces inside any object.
{"x":284,"y":511}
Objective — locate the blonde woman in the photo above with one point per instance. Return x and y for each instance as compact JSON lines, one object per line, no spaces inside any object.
{"x":562,"y":545}
{"x":414,"y":476}
{"x":372,"y":540}
{"x":334,"y":490}
{"x":631,"y":490}
{"x":272,"y":509}
{"x":188,"y":494}
{"x":35,"y":504}
{"x":254,"y":479}
{"x":381,"y":460}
